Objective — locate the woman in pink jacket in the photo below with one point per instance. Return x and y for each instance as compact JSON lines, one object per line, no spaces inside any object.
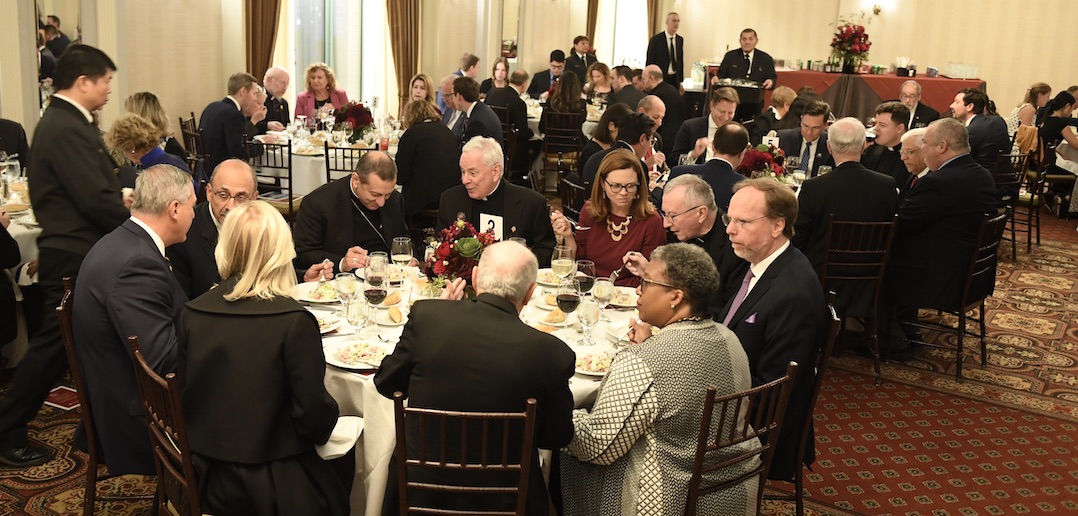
{"x":321,"y":91}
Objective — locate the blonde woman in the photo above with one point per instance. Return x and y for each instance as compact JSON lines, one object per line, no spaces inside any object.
{"x":598,"y":86}
{"x":139,"y":140}
{"x":422,"y":88}
{"x":251,"y":370}
{"x":321,"y":91}
{"x":146,"y":105}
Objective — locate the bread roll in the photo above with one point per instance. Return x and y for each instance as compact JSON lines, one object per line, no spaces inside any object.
{"x":546,"y":328}
{"x":551,"y":300}
{"x":395,"y":314}
{"x":555,"y":316}
{"x":392,"y":299}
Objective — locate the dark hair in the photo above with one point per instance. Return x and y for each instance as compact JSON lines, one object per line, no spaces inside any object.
{"x":78,"y":61}
{"x":634,"y":126}
{"x":557,"y":56}
{"x":51,"y":30}
{"x":1061,"y":99}
{"x":725,"y":93}
{"x":614,"y":113}
{"x":689,"y":268}
{"x":519,"y":77}
{"x":638,"y":72}
{"x":54,"y":18}
{"x":566,"y":97}
{"x":578,"y":39}
{"x":467,"y":88}
{"x":753,"y":31}
{"x":730,"y":139}
{"x":377,"y":163}
{"x":974,"y":96}
{"x":817,"y":108}
{"x":239,"y":81}
{"x":623,"y":71}
{"x":900,"y":114}
{"x":469,"y":60}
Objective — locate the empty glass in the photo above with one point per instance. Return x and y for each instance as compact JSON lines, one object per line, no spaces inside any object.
{"x":585,"y":276}
{"x":345,"y":283}
{"x":588,"y":314}
{"x":603,"y":292}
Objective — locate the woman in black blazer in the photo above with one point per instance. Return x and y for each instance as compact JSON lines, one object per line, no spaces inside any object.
{"x":251,"y":371}
{"x":427,"y":158}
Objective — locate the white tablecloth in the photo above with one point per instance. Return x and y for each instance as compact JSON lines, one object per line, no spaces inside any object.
{"x":308,"y":173}
{"x":356,"y":395}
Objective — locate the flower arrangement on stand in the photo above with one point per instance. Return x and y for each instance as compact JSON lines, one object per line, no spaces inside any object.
{"x":850,"y":44}
{"x":763,"y":160}
{"x":359,"y":115}
{"x":457,"y":249}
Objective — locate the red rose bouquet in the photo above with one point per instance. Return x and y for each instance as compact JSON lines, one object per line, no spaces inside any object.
{"x":850,"y":43}
{"x":763,"y":158}
{"x":358,"y":114}
{"x":456,"y":251}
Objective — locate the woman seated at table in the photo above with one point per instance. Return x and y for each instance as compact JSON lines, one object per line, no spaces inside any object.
{"x":617,"y":219}
{"x":598,"y":86}
{"x":322,"y":93}
{"x":604,"y":135}
{"x":146,"y":105}
{"x":633,"y":452}
{"x":781,"y":99}
{"x":422,"y":88}
{"x":499,"y":77}
{"x":1037,"y":96}
{"x":139,"y":141}
{"x":251,"y":371}
{"x":567,"y":98}
{"x":427,"y":157}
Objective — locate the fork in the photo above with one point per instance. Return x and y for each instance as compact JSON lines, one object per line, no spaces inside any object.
{"x":614,"y":275}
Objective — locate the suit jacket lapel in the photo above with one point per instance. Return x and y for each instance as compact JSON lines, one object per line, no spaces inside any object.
{"x":208,"y":234}
{"x":748,"y":306}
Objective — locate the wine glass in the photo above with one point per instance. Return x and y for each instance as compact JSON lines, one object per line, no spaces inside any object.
{"x":798,"y":178}
{"x":377,"y":285}
{"x":561,"y":262}
{"x":401,"y":251}
{"x":603,"y":292}
{"x":328,"y":121}
{"x":585,"y":276}
{"x":345,"y":283}
{"x":356,"y":312}
{"x":588,"y":314}
{"x":793,"y":162}
{"x":824,"y":170}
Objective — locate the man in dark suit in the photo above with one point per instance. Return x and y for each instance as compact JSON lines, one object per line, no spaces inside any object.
{"x":693,"y":141}
{"x":778,"y":311}
{"x":920,"y":114}
{"x":675,"y":105}
{"x":809,"y":141}
{"x":224,"y":123}
{"x":851,"y":193}
{"x":987,"y":133}
{"x":914,"y":159}
{"x":486,"y":200}
{"x":938,"y":222}
{"x":67,"y":151}
{"x":126,"y":289}
{"x":345,"y":220}
{"x":479,"y":356}
{"x":749,"y":63}
{"x":509,"y":98}
{"x":13,"y":141}
{"x":542,"y":81}
{"x":666,"y":50}
{"x":56,"y":42}
{"x":46,"y":63}
{"x":727,"y":148}
{"x":624,"y":91}
{"x":479,"y":119}
{"x":450,"y":115}
{"x":885,"y":156}
{"x":580,"y":58}
{"x":277,"y":116}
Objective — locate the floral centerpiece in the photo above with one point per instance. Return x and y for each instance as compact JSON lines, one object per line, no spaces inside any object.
{"x":763,"y":158}
{"x":359,"y":115}
{"x":850,"y":44}
{"x":456,"y":251}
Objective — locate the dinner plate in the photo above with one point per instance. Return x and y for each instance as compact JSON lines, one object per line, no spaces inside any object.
{"x":328,"y":323}
{"x":624,"y":297}
{"x":382,"y":319}
{"x":615,"y":332}
{"x":383,"y":306}
{"x":596,"y":374}
{"x":547,"y":278}
{"x":306,"y":290}
{"x":582,"y":362}
{"x":312,"y":152}
{"x":354,"y":353}
{"x":15,"y":207}
{"x":539,"y":321}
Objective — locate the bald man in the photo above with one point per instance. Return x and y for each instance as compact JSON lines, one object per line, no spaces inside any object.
{"x":654,"y":84}
{"x":276,"y":83}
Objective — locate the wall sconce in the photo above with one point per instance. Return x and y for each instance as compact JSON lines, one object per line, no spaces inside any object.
{"x":877,"y":9}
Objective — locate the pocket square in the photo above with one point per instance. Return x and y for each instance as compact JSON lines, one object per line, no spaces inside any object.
{"x":751,"y":319}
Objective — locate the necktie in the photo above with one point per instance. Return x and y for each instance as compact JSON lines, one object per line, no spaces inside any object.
{"x":804,"y":166}
{"x":739,"y":298}
{"x":673,"y":55}
{"x":748,"y":66}
{"x":463,"y":122}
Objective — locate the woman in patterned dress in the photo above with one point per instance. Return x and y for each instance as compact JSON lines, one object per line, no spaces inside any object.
{"x":633,"y":452}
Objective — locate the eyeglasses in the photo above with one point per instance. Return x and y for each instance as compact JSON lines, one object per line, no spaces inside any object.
{"x":908,"y":97}
{"x":225,"y":196}
{"x":727,"y":221}
{"x":644,"y":282}
{"x":908,"y":152}
{"x":618,"y":187}
{"x":673,"y":216}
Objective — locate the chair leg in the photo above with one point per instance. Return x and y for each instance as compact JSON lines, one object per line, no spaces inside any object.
{"x":984,"y":343}
{"x":875,"y":339}
{"x":1014,"y":241}
{"x":90,"y":496}
{"x":960,"y":332}
{"x":799,"y":491}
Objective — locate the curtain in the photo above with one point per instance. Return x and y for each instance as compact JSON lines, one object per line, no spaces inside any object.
{"x":404,"y":37}
{"x":654,"y":8}
{"x":593,"y":14}
{"x":261,"y":25}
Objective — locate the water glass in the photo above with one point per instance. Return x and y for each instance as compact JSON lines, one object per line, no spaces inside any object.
{"x":345,"y":283}
{"x":401,"y":251}
{"x":824,"y":170}
{"x":356,"y":313}
{"x":588,"y":314}
{"x":603,"y":292}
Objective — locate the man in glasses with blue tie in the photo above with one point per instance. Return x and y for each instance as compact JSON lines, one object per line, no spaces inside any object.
{"x":808,"y":143}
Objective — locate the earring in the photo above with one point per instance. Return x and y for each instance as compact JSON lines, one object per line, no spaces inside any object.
{"x":672,"y":307}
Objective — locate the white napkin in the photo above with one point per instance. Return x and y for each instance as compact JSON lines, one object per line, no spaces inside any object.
{"x":343,"y":438}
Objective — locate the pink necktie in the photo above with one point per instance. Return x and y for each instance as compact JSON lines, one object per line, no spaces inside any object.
{"x":739,"y":298}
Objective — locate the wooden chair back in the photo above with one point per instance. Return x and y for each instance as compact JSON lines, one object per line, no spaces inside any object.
{"x":341,"y":161}
{"x":562,"y":142}
{"x":748,"y":416}
{"x":980,"y":277}
{"x":273,"y":161}
{"x":572,"y":196}
{"x":196,"y":149}
{"x":486,"y":445}
{"x":176,"y":480}
{"x":509,"y":135}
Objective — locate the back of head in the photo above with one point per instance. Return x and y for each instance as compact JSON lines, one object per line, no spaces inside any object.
{"x":506,"y":269}
{"x":240,"y":81}
{"x":1061,"y":100}
{"x":846,"y":137}
{"x":624,"y":72}
{"x":697,"y":191}
{"x":132,"y":132}
{"x":519,"y":77}
{"x":146,"y":105}
{"x":952,"y":131}
{"x":782,"y":96}
{"x":634,"y":126}
{"x":467,"y":88}
{"x":377,"y":163}
{"x":256,"y":246}
{"x":468,"y":60}
{"x":77,"y":61}
{"x":689,"y":268}
{"x":975,"y":96}
{"x":158,"y":186}
{"x":779,"y":200}
{"x":1036,"y":90}
{"x":566,"y":98}
{"x":731,"y":139}
{"x":417,"y":111}
{"x":614,"y":113}
{"x":900,"y":114}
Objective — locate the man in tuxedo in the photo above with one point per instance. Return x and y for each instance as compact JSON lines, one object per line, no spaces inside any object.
{"x":634,"y":133}
{"x":450,"y":115}
{"x":275,"y":83}
{"x":674,"y":104}
{"x":509,"y":98}
{"x":479,"y":356}
{"x":542,"y":81}
{"x":580,"y":58}
{"x":693,"y":141}
{"x":224,"y":123}
{"x":56,"y":42}
{"x":485,"y":199}
{"x":345,"y":220}
{"x":885,"y":155}
{"x":809,"y":141}
{"x":914,"y":160}
{"x":54,"y":20}
{"x":852,"y":193}
{"x":624,"y":90}
{"x":479,"y":119}
{"x":749,"y":63}
{"x":67,"y":150}
{"x":920,"y":114}
{"x":666,"y":50}
{"x":727,"y":149}
{"x":987,"y":133}
{"x":778,"y":311}
{"x":126,"y":289}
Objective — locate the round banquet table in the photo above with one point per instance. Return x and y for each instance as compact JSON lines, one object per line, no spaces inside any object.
{"x":356,"y":394}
